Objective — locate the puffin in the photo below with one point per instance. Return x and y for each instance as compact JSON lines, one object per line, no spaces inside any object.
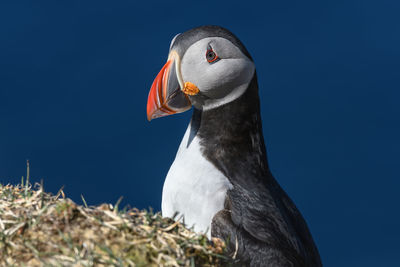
{"x":220,"y":182}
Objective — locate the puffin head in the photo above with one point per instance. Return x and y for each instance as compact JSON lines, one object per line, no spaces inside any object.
{"x":207,"y":67}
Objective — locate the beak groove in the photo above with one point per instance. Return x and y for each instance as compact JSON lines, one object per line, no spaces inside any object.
{"x":165,"y":96}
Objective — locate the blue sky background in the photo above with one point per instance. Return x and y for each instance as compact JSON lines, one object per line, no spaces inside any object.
{"x":74,"y":79}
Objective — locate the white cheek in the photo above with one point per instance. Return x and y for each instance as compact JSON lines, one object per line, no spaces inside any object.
{"x":222,"y":81}
{"x":216,"y":76}
{"x":194,"y":72}
{"x":237,"y":87}
{"x":226,"y":72}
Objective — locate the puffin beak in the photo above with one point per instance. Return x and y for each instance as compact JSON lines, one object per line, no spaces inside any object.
{"x":165,"y":96}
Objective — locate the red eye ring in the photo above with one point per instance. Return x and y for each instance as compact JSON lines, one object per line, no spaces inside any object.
{"x":211,"y":56}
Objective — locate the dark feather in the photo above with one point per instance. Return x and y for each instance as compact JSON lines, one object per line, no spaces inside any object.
{"x":269,"y":229}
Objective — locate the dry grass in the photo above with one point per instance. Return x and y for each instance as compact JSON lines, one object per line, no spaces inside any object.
{"x":41,"y":229}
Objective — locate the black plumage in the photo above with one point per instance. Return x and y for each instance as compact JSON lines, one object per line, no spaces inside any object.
{"x":260,"y":223}
{"x":184,"y":40}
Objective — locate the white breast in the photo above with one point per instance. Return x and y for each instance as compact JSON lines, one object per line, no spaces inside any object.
{"x":194,"y":187}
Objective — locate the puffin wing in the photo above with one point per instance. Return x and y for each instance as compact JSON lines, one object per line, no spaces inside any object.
{"x":259,"y":221}
{"x":262,"y":224}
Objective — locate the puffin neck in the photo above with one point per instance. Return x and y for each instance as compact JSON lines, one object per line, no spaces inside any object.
{"x":232,"y":132}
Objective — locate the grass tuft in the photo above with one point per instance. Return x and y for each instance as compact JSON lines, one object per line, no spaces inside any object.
{"x":41,"y":229}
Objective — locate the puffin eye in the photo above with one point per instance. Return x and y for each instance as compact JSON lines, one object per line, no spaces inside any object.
{"x":211,"y":56}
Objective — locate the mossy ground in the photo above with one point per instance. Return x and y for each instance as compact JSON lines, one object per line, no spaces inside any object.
{"x":41,"y":229}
